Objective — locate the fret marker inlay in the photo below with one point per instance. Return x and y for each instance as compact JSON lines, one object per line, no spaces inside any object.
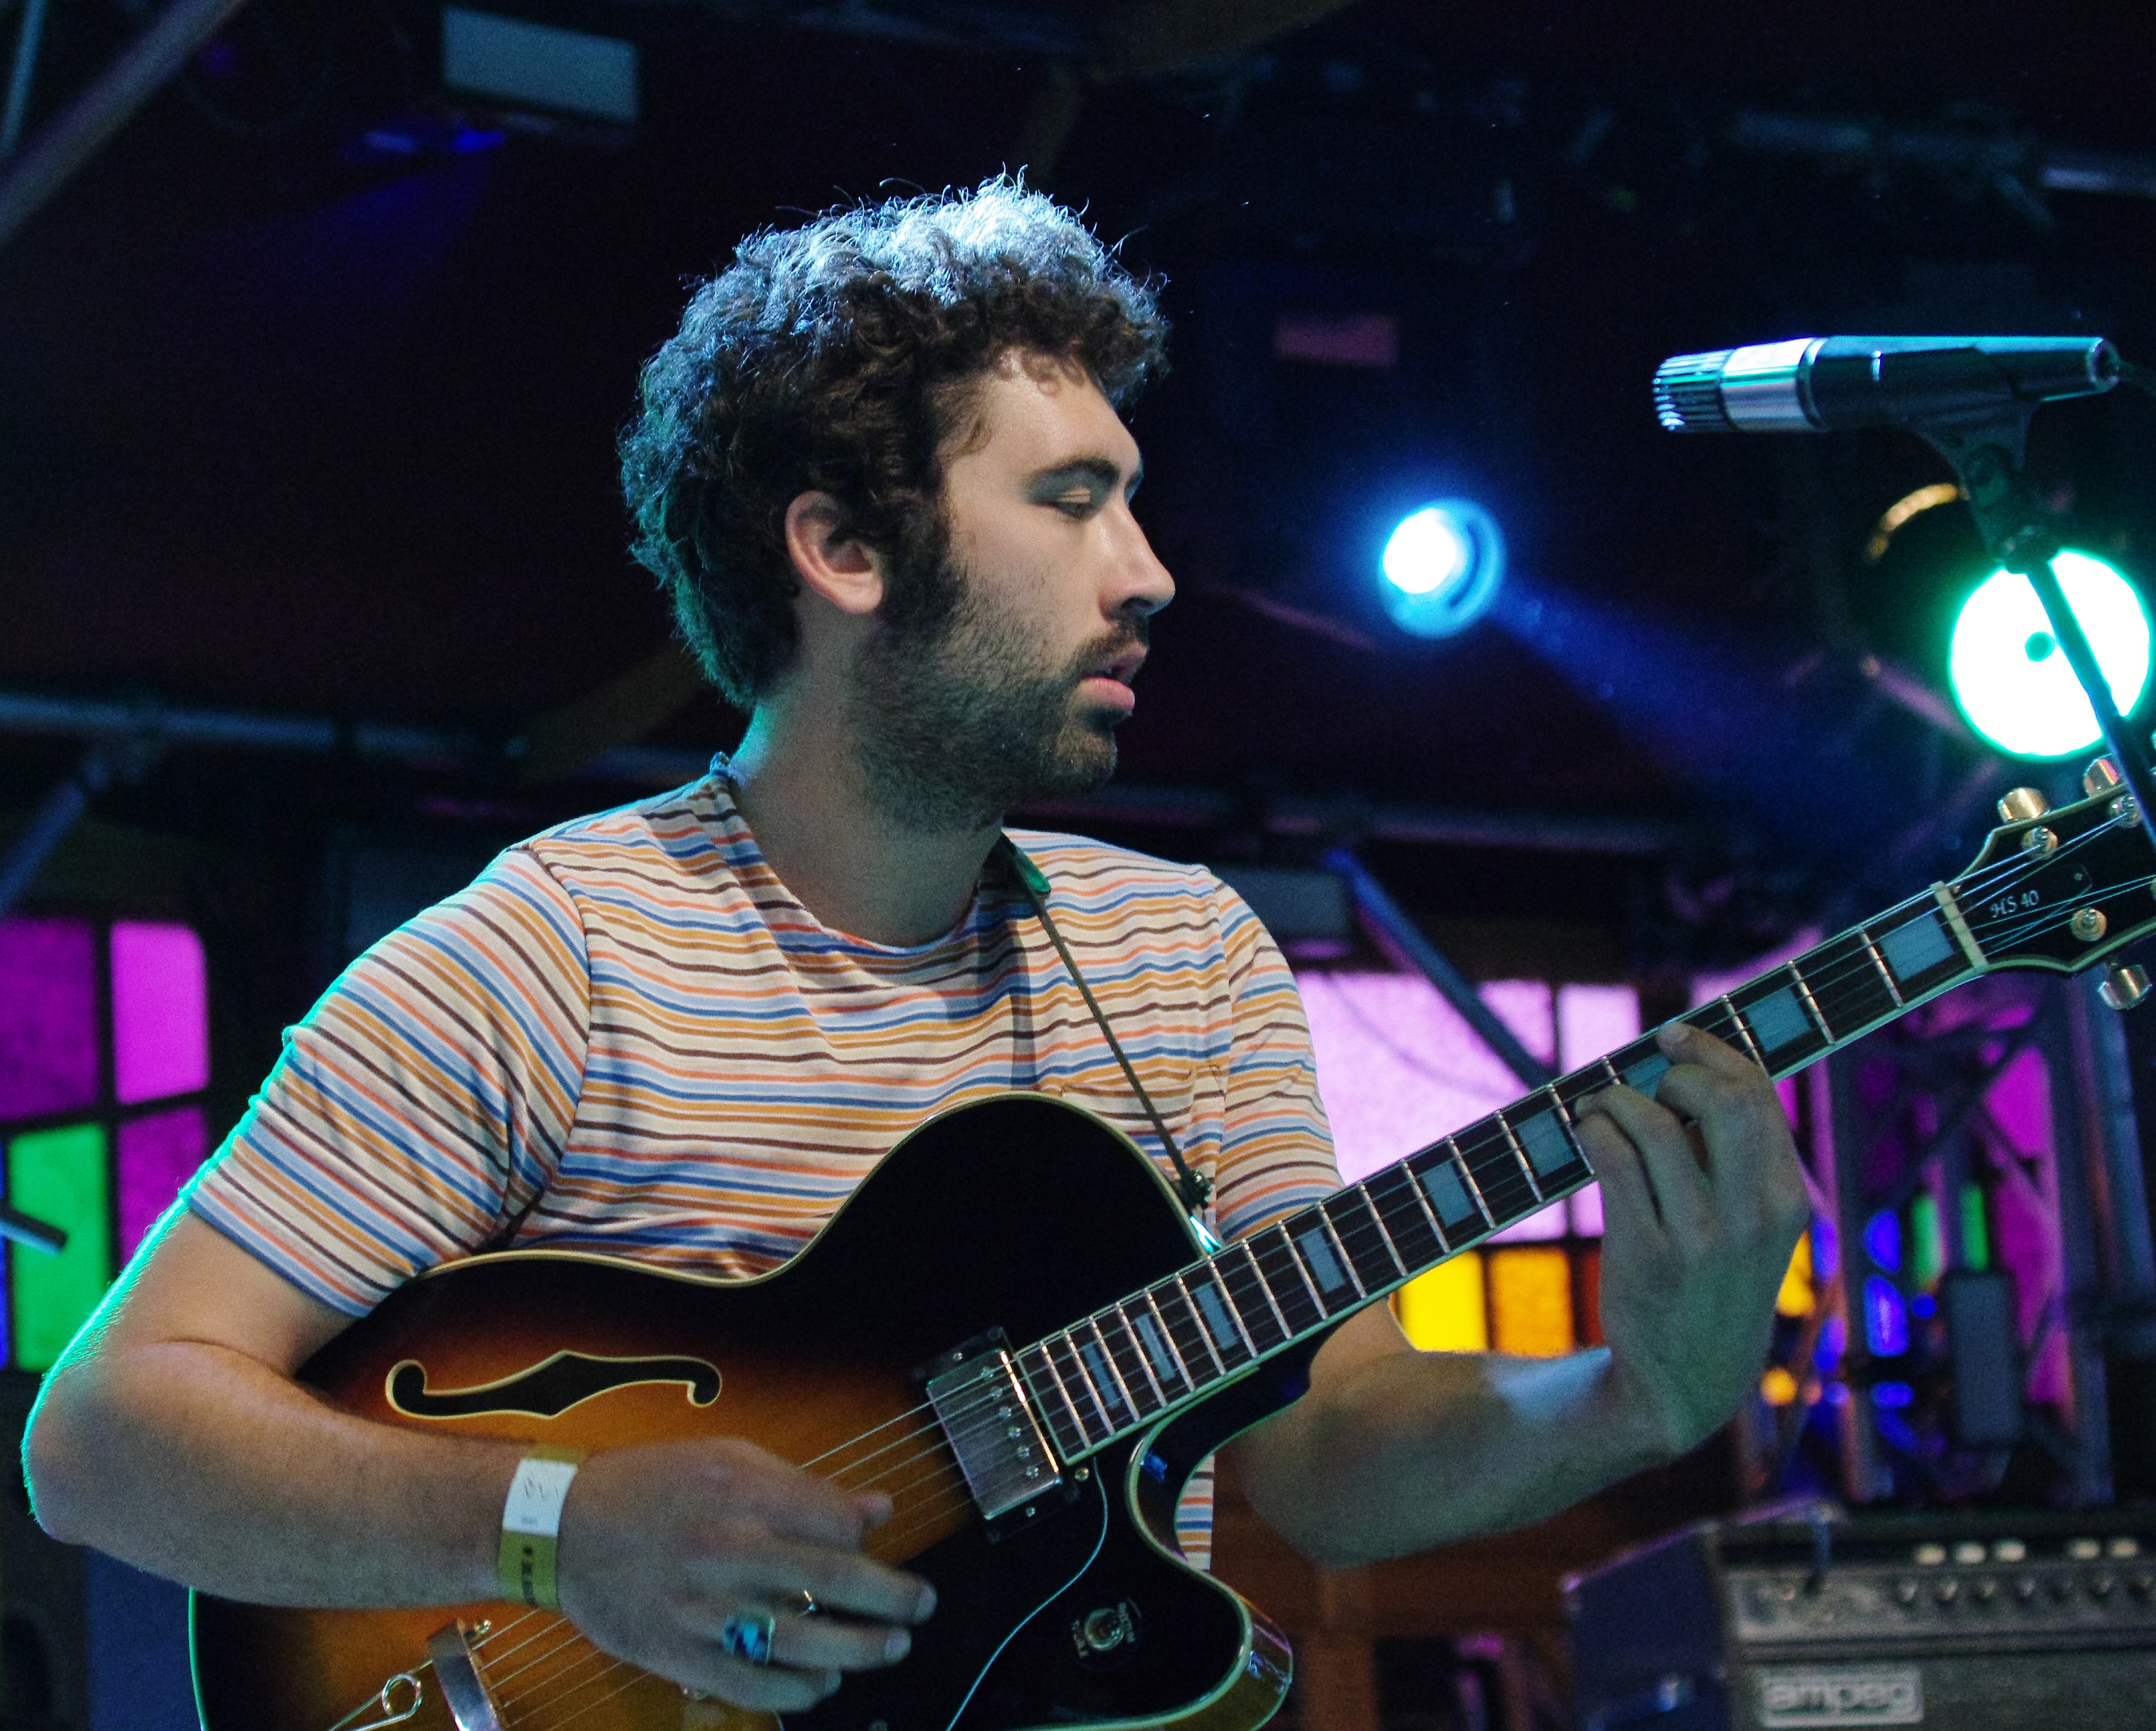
{"x":1777,"y":1019}
{"x":1916,"y":946}
{"x":1214,"y":1309}
{"x":1548,"y":1145}
{"x":1646,"y":1076}
{"x":1449,"y":1196}
{"x":1318,"y":1254}
{"x":1148,"y":1333}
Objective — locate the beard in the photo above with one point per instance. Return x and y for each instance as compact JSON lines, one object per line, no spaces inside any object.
{"x":958,"y":717}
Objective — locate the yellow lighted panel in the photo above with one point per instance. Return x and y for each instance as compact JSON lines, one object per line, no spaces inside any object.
{"x":1778,"y":1387}
{"x":1442,"y":1311}
{"x":1531,"y":1301}
{"x":1795,"y":1298}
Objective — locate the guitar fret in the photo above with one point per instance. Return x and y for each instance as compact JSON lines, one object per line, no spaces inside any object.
{"x":1332,"y":1274}
{"x":1885,"y":973}
{"x":1454,"y":1201}
{"x":1174,"y":1304}
{"x":1782,"y":1020}
{"x":1487,"y":1154}
{"x":1068,"y":1429}
{"x":1640,"y":1065}
{"x":1519,"y":1155}
{"x":1288,"y":1286}
{"x":1102,"y":1369}
{"x":1160,"y":1347}
{"x":1844,"y":985}
{"x":1092,"y":1413}
{"x":1370,"y":1252}
{"x":1138,"y":1379}
{"x":1397,"y":1201}
{"x":1922,"y":951}
{"x":1262,"y":1326}
{"x":1544,"y":1134}
{"x":1224,"y":1329}
{"x":1743,"y":1032}
{"x":1812,"y":1004}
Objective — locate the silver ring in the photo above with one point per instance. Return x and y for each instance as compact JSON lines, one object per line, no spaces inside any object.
{"x":748,"y":1637}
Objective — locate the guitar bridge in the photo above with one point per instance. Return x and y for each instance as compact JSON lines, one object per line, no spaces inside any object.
{"x":1000,"y":1446}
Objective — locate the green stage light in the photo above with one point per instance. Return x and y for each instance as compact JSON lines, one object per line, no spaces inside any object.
{"x":2011,"y":678}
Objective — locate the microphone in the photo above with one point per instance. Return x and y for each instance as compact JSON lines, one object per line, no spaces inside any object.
{"x":1821,"y":384}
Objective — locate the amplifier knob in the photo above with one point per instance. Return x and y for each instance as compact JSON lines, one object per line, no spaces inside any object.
{"x":1907,"y":1592}
{"x":1947,"y":1591}
{"x":2101,"y":1586}
{"x":2025,"y":1587}
{"x":1984,"y":1589}
{"x":2140,"y":1584}
{"x":2062,"y":1587}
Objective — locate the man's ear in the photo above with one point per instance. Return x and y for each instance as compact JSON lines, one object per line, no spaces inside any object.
{"x":843,"y":569}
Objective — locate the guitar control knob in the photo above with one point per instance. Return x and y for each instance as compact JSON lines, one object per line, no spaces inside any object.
{"x":1107,"y":1635}
{"x":2022,"y":804}
{"x":2125,"y":984}
{"x":2101,"y":776}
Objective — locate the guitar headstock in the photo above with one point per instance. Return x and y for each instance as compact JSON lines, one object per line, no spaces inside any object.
{"x":2061,"y":890}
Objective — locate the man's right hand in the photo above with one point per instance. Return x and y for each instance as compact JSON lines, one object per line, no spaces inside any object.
{"x":174,"y":1435}
{"x":661,"y":1545}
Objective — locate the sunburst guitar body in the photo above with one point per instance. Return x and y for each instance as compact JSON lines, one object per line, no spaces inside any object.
{"x":999,"y":1221}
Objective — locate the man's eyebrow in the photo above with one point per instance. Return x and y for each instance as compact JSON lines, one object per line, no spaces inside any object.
{"x":1095,"y":471}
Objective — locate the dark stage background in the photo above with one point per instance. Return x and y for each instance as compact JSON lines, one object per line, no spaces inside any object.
{"x":309,"y":382}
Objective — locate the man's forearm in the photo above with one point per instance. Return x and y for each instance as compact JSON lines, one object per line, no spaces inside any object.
{"x":1409,"y":1450}
{"x":197,"y":1462}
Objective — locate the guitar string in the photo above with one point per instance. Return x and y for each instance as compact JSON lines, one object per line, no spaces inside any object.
{"x":1860,"y":964}
{"x":952,"y":1498}
{"x":2006,"y":871}
{"x":2021,"y":929}
{"x":1367,"y":1238}
{"x":553,"y":1683}
{"x":569,"y":1639}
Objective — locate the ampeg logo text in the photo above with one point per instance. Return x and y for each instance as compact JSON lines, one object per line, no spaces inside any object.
{"x":1840,"y":1695}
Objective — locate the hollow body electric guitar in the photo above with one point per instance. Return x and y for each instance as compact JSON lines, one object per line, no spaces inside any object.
{"x":1011,"y":1328}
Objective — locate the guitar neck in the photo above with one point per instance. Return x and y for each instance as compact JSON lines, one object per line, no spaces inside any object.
{"x":1166,"y":1348}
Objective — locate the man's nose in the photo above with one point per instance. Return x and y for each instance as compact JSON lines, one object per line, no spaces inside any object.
{"x":1143,"y":584}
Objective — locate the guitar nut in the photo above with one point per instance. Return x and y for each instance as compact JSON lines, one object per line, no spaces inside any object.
{"x":2088,"y":924}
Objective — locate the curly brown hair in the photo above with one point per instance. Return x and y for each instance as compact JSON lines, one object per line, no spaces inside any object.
{"x":840,"y":356}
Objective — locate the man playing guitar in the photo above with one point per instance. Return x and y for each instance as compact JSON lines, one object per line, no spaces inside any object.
{"x":883,"y":471}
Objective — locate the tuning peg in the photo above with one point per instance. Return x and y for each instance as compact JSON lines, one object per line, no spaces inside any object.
{"x":2101,"y":776}
{"x":2022,"y":804}
{"x":2125,"y":984}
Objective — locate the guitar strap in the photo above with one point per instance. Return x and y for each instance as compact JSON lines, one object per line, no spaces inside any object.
{"x":1194,"y":1189}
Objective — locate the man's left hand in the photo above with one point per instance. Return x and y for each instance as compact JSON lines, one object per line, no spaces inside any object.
{"x":1700,"y":1221}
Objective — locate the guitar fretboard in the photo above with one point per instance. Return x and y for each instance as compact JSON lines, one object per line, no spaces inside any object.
{"x":1140,"y":1359}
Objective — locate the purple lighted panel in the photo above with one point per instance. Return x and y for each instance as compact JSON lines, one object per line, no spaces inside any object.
{"x":53,"y":1062}
{"x":158,"y":1154}
{"x":48,"y":1016}
{"x":160,"y":1011}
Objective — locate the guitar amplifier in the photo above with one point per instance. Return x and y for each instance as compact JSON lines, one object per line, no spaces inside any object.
{"x":1974,"y":1622}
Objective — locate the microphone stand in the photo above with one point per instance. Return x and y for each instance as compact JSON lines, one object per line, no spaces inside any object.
{"x":1987,"y":453}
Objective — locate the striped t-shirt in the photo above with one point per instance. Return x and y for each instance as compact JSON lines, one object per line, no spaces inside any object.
{"x":627,"y":1037}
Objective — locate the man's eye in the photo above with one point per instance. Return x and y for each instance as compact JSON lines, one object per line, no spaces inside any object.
{"x":1075,"y":504}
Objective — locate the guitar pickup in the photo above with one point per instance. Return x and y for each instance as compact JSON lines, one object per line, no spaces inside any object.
{"x":981,"y":1403}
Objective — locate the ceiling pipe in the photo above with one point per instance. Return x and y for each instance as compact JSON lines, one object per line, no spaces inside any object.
{"x":29,"y":714}
{"x":137,"y":74}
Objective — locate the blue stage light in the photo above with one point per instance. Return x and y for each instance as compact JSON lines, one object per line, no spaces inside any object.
{"x":2011,"y":678}
{"x":1442,"y":567}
